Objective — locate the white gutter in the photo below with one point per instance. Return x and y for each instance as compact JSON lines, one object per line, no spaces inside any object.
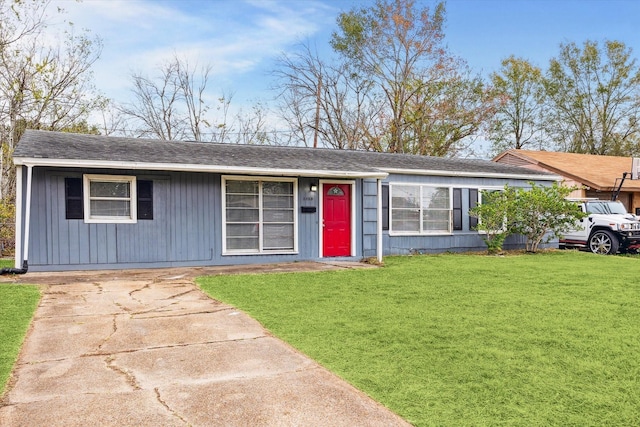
{"x":108,"y":164}
{"x":472,"y":174}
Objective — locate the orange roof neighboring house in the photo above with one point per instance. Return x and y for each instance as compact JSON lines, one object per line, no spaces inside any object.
{"x":598,"y":172}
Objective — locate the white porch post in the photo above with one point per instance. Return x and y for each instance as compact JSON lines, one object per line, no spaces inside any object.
{"x":18,"y":229}
{"x":27,"y":213}
{"x":379,"y":223}
{"x":22,"y":255}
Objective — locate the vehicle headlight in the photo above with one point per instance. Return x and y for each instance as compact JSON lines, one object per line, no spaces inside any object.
{"x":623,"y":227}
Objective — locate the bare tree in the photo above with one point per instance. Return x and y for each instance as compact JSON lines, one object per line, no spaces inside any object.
{"x":20,"y":21}
{"x":41,"y":87}
{"x":252,"y":127}
{"x":193,"y":90}
{"x":324,"y":104}
{"x":394,"y":87}
{"x":173,"y":105}
{"x":155,"y":107}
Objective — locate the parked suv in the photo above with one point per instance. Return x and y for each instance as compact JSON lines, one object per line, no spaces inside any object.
{"x":607,"y":229}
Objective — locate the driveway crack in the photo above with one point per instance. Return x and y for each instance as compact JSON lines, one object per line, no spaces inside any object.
{"x":131,"y":379}
{"x":114,"y":329}
{"x":167,"y":407}
{"x":139,"y":290}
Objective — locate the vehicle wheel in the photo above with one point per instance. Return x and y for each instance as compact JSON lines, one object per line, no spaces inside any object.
{"x":603,"y":242}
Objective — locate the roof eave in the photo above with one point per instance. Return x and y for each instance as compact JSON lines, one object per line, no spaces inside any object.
{"x":472,"y":174}
{"x":107,"y":164}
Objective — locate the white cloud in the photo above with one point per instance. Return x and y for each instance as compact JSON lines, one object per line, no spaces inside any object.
{"x":237,"y":38}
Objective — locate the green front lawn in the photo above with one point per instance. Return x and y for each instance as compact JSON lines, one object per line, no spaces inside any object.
{"x":449,"y":340}
{"x":17,"y":305}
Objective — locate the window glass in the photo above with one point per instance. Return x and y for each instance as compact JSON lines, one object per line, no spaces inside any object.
{"x":110,"y":198}
{"x":420,"y":209}
{"x":110,"y":208}
{"x":260,"y":215}
{"x":109,"y":189}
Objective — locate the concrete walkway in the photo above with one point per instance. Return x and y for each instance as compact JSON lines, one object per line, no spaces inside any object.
{"x":153,"y":350}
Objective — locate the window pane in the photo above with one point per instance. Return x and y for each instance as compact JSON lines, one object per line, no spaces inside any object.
{"x":242,"y":243}
{"x":277,"y":201}
{"x":405,"y":220}
{"x":400,"y":225}
{"x":435,"y":198}
{"x":242,"y":230}
{"x":242,"y":201}
{"x":271,"y":215}
{"x":242,"y":215}
{"x":270,"y":187}
{"x":278,"y":236}
{"x":247,"y":187}
{"x":109,"y":189}
{"x":435,"y":220}
{"x":110,"y":208}
{"x":405,"y":196}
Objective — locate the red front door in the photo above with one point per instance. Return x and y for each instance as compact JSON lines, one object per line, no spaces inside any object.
{"x":336,"y":220}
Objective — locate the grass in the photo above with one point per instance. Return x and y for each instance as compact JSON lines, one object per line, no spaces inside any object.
{"x":550,"y":339}
{"x":17,"y":305}
{"x":6,"y":263}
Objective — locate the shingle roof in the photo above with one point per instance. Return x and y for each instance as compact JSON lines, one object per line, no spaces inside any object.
{"x":39,"y":148}
{"x":598,"y":172}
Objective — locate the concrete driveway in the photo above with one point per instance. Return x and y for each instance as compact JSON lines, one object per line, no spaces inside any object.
{"x":148,"y":348}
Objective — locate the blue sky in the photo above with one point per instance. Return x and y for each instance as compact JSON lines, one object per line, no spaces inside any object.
{"x":241,"y":38}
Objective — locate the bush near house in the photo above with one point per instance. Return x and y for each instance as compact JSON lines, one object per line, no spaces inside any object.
{"x":7,"y":228}
{"x":540,"y":213}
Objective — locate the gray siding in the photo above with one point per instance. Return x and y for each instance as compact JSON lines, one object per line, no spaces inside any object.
{"x":186,"y":228}
{"x":458,"y":241}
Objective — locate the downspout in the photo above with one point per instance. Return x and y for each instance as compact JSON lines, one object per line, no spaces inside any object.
{"x":379,"y":226}
{"x":27,"y":221}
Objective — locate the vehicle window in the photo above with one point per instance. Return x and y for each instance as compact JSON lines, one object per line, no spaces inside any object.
{"x":606,"y":208}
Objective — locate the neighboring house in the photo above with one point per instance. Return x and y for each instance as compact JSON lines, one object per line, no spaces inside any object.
{"x":598,"y":176}
{"x":95,"y":202}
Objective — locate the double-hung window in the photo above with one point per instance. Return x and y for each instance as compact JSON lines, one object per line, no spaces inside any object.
{"x":259,"y":215}
{"x":420,"y":209}
{"x":109,"y":198}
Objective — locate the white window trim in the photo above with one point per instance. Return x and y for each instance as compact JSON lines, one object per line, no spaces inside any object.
{"x":328,"y":182}
{"x":133,"y":215}
{"x":422,"y":232}
{"x":260,"y":251}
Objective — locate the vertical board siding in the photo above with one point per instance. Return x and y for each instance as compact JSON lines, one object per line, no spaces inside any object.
{"x":459,"y":241}
{"x":308,"y":223}
{"x":147,"y":240}
{"x":187,"y":225}
{"x":369,"y":217}
{"x":189,"y":217}
{"x":182,"y":228}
